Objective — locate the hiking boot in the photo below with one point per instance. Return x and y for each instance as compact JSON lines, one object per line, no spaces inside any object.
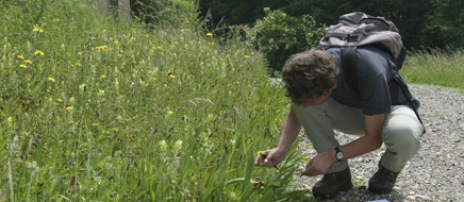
{"x":332,"y":184}
{"x":383,"y":181}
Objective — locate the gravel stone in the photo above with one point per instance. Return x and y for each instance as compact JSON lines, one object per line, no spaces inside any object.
{"x":436,"y":173}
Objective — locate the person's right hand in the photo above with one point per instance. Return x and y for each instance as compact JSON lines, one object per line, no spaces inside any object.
{"x":270,"y":158}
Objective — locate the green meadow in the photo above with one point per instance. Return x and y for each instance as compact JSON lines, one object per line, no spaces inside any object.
{"x":96,"y":109}
{"x":443,"y":68}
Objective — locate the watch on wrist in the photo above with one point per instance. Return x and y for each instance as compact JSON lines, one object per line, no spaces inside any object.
{"x":338,"y":154}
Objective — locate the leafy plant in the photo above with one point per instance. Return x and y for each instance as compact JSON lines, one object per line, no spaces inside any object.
{"x":279,"y":35}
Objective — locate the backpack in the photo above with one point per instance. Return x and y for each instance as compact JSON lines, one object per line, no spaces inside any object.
{"x":359,"y":29}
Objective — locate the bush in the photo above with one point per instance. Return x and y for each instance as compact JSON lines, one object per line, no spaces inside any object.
{"x":278,"y":36}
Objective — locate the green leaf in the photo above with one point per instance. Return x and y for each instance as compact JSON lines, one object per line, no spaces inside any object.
{"x":248,"y":172}
{"x":240,"y":179}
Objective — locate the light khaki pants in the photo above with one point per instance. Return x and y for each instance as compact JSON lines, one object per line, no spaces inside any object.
{"x":401,"y":132}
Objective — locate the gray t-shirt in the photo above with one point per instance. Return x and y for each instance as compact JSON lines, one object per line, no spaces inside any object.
{"x":375,"y":91}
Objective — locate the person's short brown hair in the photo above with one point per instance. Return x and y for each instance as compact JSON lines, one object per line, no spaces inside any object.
{"x":309,"y":74}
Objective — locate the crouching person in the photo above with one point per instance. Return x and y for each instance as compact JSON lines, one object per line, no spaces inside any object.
{"x":363,"y":101}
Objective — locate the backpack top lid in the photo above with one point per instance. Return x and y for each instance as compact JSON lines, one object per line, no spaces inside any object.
{"x":359,"y":29}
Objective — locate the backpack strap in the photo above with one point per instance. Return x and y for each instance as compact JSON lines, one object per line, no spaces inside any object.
{"x":412,"y":101}
{"x":348,"y":56}
{"x":400,"y":59}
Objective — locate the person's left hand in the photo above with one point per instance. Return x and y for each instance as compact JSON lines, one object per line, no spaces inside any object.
{"x":320,"y":164}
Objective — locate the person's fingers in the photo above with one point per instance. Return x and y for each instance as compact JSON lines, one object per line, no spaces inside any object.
{"x":310,"y":170}
{"x":258,"y":160}
{"x":267,"y":161}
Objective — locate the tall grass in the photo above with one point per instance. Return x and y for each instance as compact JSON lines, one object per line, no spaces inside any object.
{"x":442,"y":68}
{"x":94,"y":109}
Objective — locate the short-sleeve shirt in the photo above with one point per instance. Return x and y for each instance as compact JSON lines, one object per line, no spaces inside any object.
{"x":375,"y":91}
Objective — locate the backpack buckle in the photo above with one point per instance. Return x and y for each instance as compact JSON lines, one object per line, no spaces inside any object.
{"x":353,"y":37}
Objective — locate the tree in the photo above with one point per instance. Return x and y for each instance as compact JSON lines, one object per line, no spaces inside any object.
{"x":448,"y":21}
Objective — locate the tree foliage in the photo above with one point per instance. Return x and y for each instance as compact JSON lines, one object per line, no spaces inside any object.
{"x":279,"y":35}
{"x":448,"y":21}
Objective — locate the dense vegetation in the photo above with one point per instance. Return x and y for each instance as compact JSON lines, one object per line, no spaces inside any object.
{"x":96,"y":109}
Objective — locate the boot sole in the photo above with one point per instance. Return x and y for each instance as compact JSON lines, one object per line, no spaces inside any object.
{"x":379,"y":190}
{"x":324,"y":196}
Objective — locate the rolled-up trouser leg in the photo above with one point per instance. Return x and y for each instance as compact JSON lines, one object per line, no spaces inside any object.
{"x":401,"y":134}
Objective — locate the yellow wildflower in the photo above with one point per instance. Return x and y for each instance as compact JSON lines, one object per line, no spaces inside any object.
{"x":209,"y":34}
{"x":102,"y":77}
{"x":153,"y":47}
{"x":23,"y":65}
{"x":178,"y":145}
{"x":102,"y":48}
{"x":82,"y":87}
{"x":68,"y":108}
{"x":37,"y":29}
{"x":39,"y":53}
{"x":163,"y":145}
{"x":28,"y":61}
{"x":59,"y":100}
{"x":51,"y":79}
{"x":172,"y":76}
{"x":101,"y":93}
{"x":20,"y":57}
{"x":261,"y":153}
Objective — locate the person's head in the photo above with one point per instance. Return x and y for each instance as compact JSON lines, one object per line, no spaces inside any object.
{"x":310,"y":75}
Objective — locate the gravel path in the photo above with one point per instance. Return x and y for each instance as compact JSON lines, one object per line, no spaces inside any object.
{"x":436,"y":173}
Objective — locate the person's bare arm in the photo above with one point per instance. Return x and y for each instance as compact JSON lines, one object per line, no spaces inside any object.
{"x":289,"y":132}
{"x":369,"y":142}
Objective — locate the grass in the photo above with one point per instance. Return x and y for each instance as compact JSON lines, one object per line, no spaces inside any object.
{"x":436,"y":68}
{"x":92,"y":109}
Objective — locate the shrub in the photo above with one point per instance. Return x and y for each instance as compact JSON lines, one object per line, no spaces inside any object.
{"x":278,"y":36}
